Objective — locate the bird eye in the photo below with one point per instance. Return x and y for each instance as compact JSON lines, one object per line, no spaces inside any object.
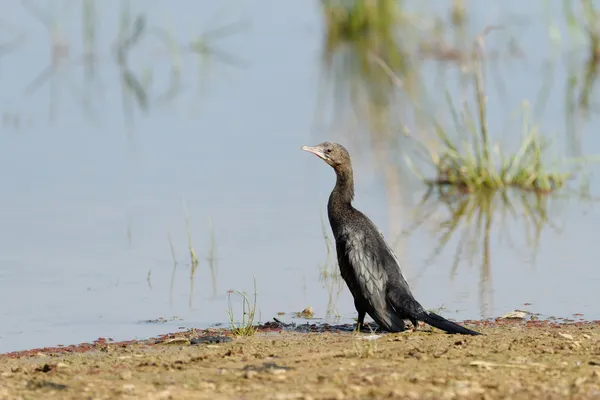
{"x":328,"y":151}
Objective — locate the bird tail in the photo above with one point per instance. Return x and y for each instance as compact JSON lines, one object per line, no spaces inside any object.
{"x":442,"y":323}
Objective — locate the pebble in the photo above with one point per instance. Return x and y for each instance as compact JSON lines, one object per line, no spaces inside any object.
{"x":580,"y":381}
{"x":126,"y":375}
{"x":250,"y":374}
{"x":61,"y":365}
{"x":129,"y":388}
{"x":165,"y":394}
{"x":208,"y":385}
{"x":278,"y":371}
{"x":566,"y":335}
{"x":516,"y":314}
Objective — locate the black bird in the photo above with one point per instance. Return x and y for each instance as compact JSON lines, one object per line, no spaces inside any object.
{"x":367,"y":264}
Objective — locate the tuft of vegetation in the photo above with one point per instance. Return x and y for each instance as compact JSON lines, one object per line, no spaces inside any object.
{"x":365,"y":346}
{"x":193,"y":257}
{"x":474,"y":163}
{"x":361,"y":36}
{"x":212,"y":258}
{"x":174,"y":270}
{"x":246,"y":326}
{"x":591,"y":27}
{"x":330,"y":277}
{"x":307,"y":313}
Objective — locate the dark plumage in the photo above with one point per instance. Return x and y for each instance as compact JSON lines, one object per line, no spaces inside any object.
{"x":367,"y":264}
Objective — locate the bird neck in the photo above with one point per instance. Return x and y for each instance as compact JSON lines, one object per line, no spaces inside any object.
{"x":343,"y":192}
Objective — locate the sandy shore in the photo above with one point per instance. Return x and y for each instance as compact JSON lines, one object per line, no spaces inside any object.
{"x":534,"y":360}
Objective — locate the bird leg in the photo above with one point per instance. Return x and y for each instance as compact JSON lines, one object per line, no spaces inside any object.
{"x":415,"y":323}
{"x":361,"y":320}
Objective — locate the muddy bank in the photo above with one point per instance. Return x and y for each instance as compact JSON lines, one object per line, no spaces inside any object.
{"x":536,"y":360}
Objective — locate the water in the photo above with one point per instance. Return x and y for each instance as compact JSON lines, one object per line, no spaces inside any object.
{"x":92,"y":191}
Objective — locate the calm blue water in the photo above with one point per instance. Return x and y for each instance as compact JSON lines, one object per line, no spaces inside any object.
{"x":90,"y":195}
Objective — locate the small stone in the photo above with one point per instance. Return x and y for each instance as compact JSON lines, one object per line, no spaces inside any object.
{"x":586,"y":336}
{"x":307,"y":313}
{"x":129,"y":388}
{"x":126,"y":375}
{"x":250,"y":374}
{"x":516,"y":314}
{"x":208,"y":385}
{"x":277,"y":371}
{"x":566,"y":336}
{"x":61,"y":365}
{"x":165,"y":394}
{"x":369,"y":379}
{"x":438,"y":381}
{"x":580,"y":381}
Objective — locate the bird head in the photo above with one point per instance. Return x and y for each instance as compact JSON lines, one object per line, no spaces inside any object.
{"x":333,"y":154}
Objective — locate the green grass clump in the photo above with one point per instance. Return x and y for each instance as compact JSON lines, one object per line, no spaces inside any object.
{"x":355,"y":20}
{"x":361,"y":37}
{"x":476,"y":165}
{"x":246,"y":326}
{"x":473,"y":163}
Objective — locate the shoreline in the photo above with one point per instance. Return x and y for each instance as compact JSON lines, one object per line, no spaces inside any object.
{"x":539,"y":359}
{"x":277,"y":326}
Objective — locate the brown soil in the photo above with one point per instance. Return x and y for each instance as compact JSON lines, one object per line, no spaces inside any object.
{"x":512,"y":360}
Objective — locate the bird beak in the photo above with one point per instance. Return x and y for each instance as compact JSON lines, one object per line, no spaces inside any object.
{"x":315,"y":150}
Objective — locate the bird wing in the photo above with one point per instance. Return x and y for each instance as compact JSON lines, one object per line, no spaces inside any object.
{"x":379,"y":277}
{"x":361,"y":269}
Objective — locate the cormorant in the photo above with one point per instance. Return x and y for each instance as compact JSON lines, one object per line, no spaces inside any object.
{"x":367,"y":264}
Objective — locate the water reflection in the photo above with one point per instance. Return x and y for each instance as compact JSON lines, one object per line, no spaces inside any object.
{"x":136,"y":40}
{"x":474,"y":219}
{"x":73,"y":188}
{"x":211,"y":258}
{"x":330,"y":277}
